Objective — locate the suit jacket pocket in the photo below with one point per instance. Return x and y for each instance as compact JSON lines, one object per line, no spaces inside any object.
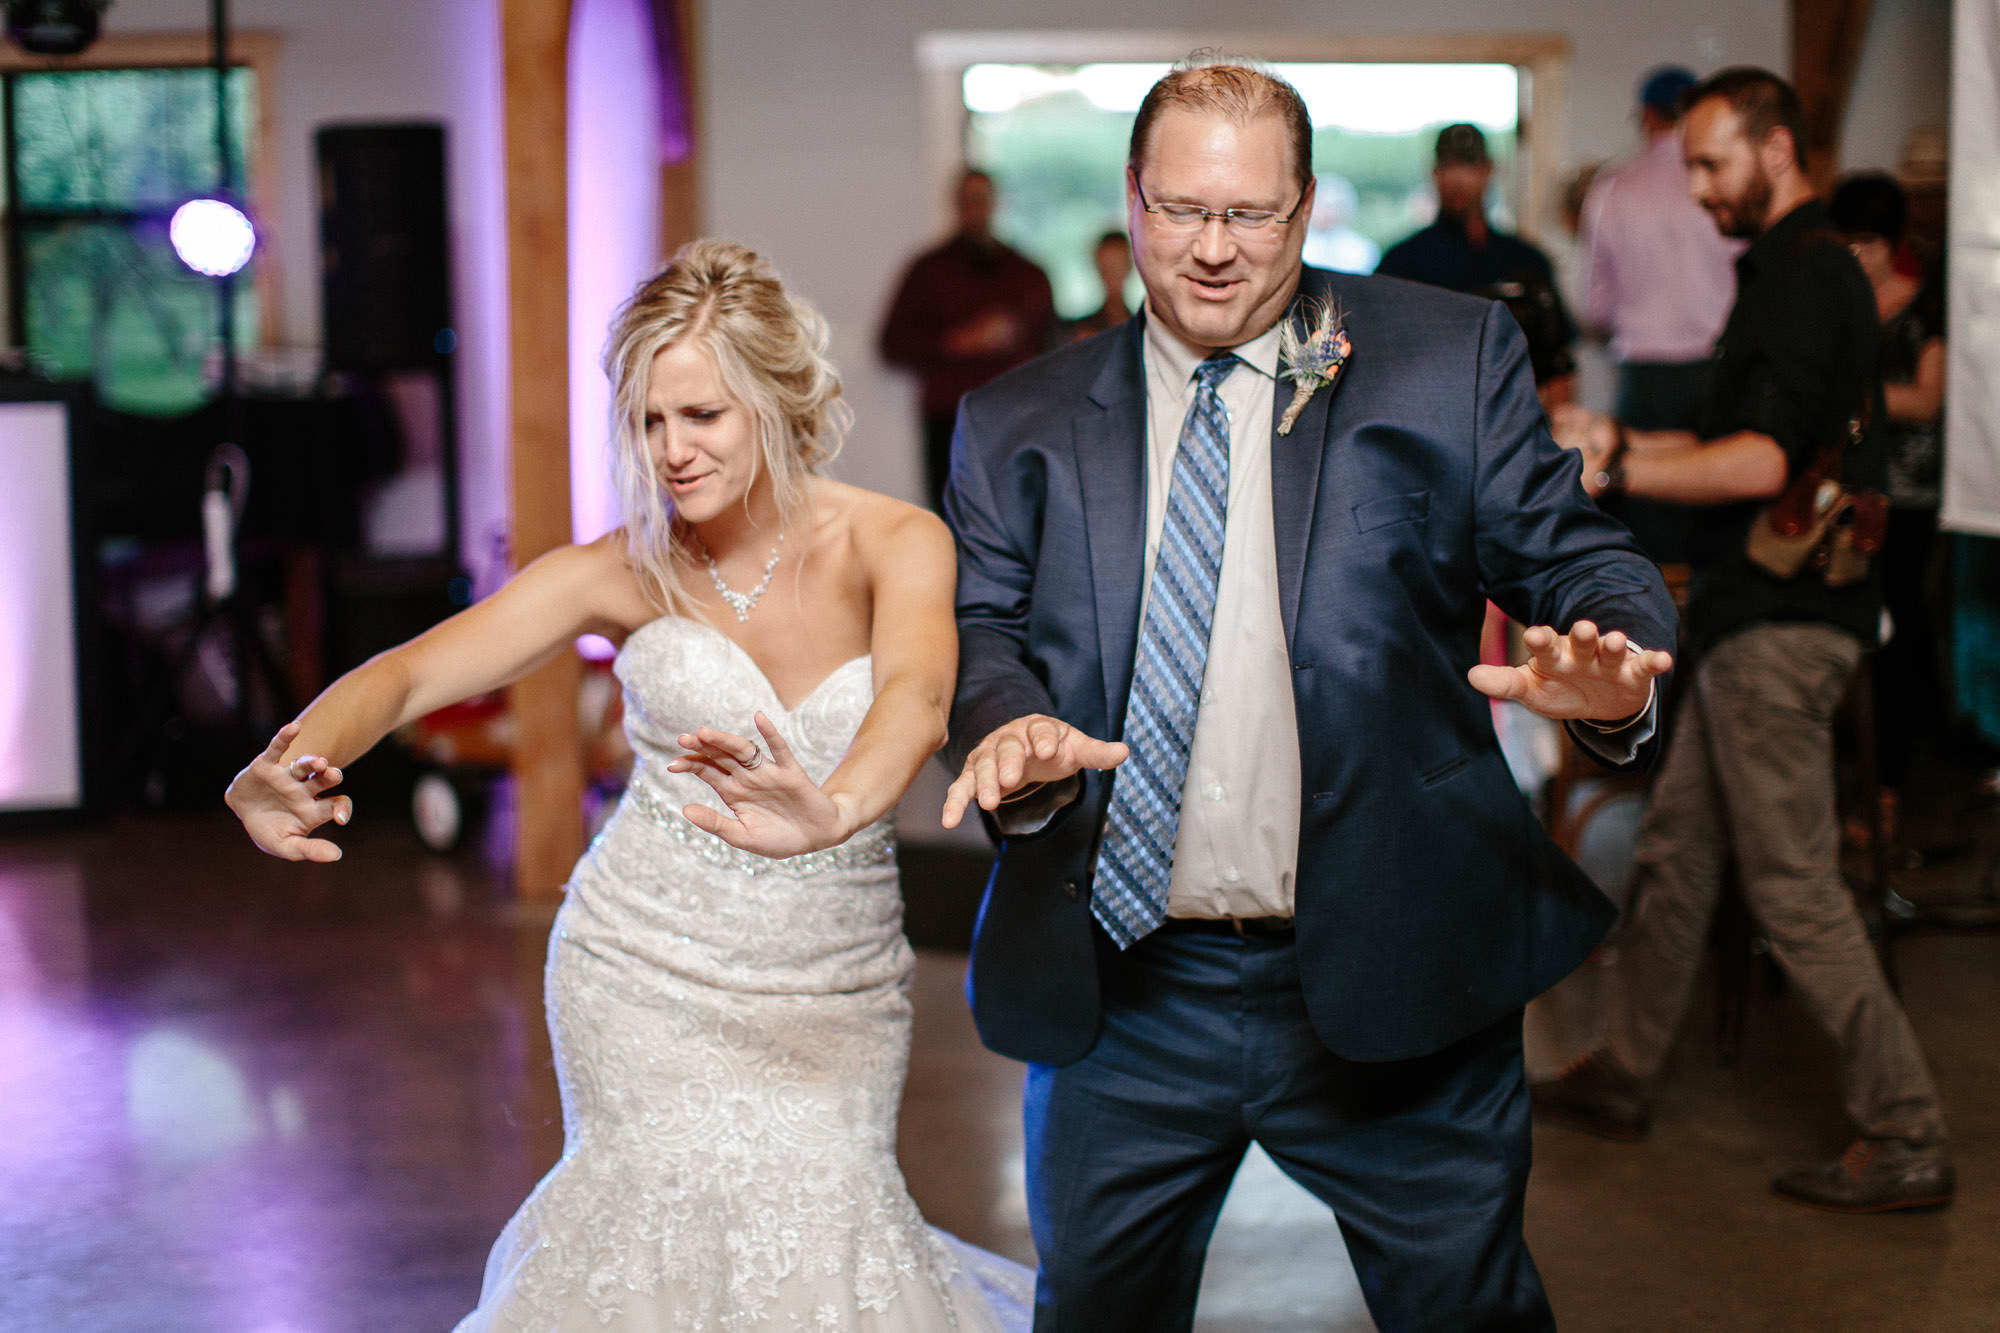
{"x":1410,"y":507}
{"x":1450,"y":768}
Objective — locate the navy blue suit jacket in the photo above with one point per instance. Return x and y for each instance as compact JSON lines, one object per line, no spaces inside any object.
{"x":1429,"y":902}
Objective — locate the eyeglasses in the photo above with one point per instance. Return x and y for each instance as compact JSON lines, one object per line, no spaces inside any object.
{"x":1193,"y":217}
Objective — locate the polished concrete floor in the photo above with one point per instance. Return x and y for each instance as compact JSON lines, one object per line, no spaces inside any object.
{"x":238,"y":1096}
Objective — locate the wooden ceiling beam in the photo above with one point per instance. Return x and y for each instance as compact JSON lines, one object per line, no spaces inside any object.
{"x":1827,"y":38}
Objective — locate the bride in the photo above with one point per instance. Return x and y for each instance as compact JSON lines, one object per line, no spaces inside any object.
{"x":731,"y":1031}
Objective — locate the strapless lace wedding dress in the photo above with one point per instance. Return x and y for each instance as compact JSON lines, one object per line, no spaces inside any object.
{"x":731,"y":1036}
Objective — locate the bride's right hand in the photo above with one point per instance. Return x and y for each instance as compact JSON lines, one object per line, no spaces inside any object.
{"x":281,"y":804}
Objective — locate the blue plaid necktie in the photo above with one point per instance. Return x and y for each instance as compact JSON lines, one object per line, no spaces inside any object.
{"x":1136,"y":860}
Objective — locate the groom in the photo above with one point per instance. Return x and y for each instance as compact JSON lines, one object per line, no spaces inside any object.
{"x":1301,"y":902}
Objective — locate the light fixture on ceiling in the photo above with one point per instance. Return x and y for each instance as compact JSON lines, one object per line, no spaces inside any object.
{"x":54,"y":27}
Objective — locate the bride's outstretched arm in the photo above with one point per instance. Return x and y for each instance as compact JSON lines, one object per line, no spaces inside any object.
{"x":913,"y":641}
{"x":289,"y":790}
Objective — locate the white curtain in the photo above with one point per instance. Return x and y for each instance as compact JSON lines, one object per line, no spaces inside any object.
{"x":1972,"y":384}
{"x":41,"y":757}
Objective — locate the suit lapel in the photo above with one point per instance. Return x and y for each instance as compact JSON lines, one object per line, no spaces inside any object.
{"x":1110,"y":440}
{"x":1295,"y":471}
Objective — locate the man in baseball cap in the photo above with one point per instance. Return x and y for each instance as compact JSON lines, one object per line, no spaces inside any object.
{"x":1463,"y":252}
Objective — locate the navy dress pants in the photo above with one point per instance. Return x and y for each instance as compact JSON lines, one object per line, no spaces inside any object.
{"x":1206,"y":1048}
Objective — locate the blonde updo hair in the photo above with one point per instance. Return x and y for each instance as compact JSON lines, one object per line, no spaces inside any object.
{"x":770,"y":353}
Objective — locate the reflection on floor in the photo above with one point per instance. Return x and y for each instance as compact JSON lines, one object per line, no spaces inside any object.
{"x":240,"y":1095}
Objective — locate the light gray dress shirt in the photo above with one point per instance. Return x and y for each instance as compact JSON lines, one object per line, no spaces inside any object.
{"x":1237,"y":849}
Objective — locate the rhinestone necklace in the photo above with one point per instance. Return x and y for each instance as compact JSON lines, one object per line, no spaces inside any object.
{"x":740,"y":602}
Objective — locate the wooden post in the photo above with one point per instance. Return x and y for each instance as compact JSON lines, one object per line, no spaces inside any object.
{"x":1827,"y":37}
{"x":680,"y":182}
{"x":548,"y":759}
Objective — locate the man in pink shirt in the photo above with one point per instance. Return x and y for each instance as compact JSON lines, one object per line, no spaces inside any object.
{"x":1660,"y":283}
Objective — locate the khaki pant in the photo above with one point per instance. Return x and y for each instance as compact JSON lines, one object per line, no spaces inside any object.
{"x":1749,"y":773}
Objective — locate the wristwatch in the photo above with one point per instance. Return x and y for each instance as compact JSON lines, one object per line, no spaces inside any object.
{"x":1611,"y":477}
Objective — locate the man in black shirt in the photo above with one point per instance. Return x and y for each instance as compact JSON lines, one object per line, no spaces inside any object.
{"x":1749,"y":771}
{"x":1463,"y":252}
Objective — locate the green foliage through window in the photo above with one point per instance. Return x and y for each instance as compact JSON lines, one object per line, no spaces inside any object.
{"x":100,"y":159}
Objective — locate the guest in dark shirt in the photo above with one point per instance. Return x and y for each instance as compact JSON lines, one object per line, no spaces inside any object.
{"x":1870,"y":210}
{"x":1113,"y":259}
{"x":963,"y":313}
{"x":1749,"y":769}
{"x":1463,"y":252}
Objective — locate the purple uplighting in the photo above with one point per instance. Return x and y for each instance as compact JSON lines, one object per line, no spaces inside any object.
{"x":614,"y":222}
{"x":211,"y":237}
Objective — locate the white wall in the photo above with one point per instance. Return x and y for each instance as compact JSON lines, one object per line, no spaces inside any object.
{"x":813,"y":143}
{"x":1902,"y":81}
{"x":346,"y":60}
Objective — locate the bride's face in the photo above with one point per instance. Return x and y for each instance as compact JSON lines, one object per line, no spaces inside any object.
{"x":703,"y":443}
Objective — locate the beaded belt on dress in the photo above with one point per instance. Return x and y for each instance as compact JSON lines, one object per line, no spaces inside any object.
{"x":867,"y":849}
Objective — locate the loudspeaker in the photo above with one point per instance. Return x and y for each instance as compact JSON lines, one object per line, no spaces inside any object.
{"x":385,"y":263}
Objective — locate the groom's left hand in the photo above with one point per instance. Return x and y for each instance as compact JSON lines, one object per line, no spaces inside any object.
{"x":1602,"y":678}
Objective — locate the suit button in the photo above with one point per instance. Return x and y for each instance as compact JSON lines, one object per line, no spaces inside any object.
{"x":1071,"y":890}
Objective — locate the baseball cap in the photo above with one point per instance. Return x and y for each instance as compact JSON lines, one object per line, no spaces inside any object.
{"x":1462,"y":144}
{"x":1662,"y":87}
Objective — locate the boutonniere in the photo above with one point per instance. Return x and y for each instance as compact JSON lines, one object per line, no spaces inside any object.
{"x":1313,"y":362}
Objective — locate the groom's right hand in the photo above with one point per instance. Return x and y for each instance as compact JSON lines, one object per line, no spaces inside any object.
{"x":1022,"y":755}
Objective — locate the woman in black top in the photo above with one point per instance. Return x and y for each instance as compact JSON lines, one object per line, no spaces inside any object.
{"x":1869,"y":209}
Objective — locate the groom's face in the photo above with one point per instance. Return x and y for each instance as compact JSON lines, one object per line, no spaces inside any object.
{"x":1218,"y":285}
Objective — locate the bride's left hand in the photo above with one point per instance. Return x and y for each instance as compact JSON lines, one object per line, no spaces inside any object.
{"x":780,"y":810}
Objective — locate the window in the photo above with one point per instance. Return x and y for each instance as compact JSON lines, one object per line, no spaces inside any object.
{"x":96,"y":162}
{"x":1054,"y":138}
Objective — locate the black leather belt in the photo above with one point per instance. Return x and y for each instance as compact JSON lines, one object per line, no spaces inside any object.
{"x":1249,"y":927}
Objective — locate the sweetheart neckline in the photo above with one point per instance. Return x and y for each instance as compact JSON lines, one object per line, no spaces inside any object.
{"x":744,"y":653}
